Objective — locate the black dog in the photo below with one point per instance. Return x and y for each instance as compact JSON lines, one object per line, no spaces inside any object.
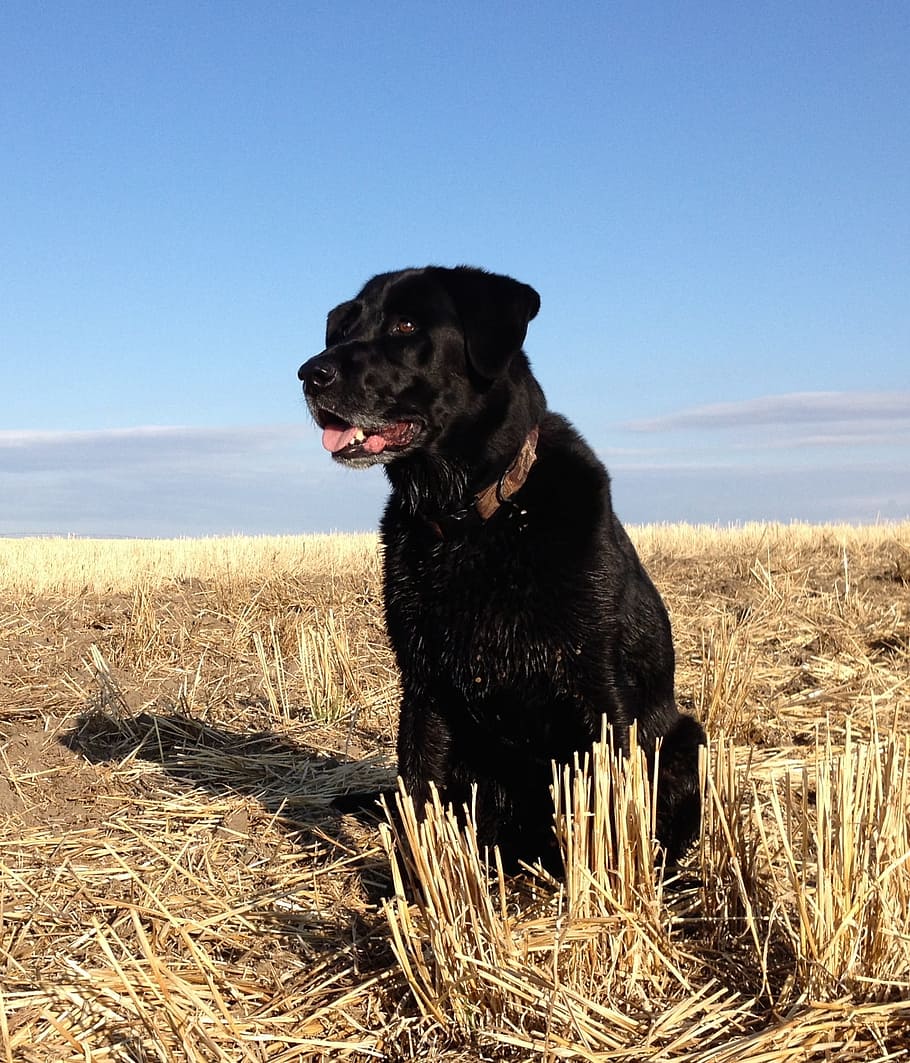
{"x":518,"y":609}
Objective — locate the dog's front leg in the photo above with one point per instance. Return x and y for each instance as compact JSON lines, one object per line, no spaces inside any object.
{"x":424,"y":749}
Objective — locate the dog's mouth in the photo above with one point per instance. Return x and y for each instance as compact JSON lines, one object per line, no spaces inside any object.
{"x":347,"y":442}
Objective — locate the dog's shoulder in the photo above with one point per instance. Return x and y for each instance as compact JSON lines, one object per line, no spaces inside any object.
{"x":561,"y":440}
{"x":568,"y":483}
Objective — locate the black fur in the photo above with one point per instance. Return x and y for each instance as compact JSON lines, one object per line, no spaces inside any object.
{"x":513,"y":635}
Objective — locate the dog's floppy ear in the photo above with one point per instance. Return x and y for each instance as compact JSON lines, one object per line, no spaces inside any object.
{"x":495,"y":311}
{"x":340,"y":320}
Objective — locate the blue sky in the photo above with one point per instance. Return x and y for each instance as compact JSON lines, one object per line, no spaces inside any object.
{"x":712,"y":199}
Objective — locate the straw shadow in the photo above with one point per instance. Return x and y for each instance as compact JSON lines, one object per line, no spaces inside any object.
{"x":294,"y":781}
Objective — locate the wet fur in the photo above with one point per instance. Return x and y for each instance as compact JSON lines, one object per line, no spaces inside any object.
{"x":515,"y":635}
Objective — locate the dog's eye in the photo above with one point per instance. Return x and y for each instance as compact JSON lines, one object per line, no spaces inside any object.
{"x":403,"y":327}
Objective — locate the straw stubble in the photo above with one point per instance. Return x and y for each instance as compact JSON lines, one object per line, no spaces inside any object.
{"x":176,"y":717}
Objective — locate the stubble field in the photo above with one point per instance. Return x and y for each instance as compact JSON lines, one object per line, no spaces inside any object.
{"x":175,"y":718}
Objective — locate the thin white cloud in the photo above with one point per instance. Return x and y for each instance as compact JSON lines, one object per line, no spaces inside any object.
{"x":22,"y":438}
{"x":173,"y":481}
{"x":714,"y":493}
{"x":113,"y":449}
{"x":847,"y":436}
{"x":843,"y":408}
{"x":756,"y":444}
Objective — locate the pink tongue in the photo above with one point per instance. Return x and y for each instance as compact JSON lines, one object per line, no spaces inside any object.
{"x":335,"y":439}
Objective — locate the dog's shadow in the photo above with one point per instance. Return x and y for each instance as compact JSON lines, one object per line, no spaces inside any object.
{"x":294,"y":782}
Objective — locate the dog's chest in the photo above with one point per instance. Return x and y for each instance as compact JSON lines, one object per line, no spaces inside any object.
{"x":484,"y":623}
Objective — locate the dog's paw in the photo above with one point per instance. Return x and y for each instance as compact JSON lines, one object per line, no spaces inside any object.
{"x":360,"y":804}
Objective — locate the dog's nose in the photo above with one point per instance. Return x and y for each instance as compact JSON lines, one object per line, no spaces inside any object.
{"x":317,"y":376}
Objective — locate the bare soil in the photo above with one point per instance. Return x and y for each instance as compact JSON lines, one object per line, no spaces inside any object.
{"x":173,"y":882}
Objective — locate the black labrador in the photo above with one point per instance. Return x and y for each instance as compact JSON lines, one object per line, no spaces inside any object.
{"x":517,"y":606}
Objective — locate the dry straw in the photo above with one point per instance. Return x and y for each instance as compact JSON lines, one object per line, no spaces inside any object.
{"x":175,"y":718}
{"x":617,"y":962}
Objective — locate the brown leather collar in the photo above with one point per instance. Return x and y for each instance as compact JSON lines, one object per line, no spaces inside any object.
{"x":492,"y":498}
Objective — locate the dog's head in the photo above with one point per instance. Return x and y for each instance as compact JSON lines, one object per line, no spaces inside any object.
{"x":414,"y":359}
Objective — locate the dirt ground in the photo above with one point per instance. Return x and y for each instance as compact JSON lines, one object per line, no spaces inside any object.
{"x":833,"y":647}
{"x":165,"y":778}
